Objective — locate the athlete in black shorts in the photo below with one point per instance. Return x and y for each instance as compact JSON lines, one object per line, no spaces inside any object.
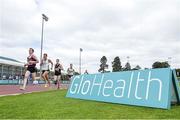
{"x":57,"y":73}
{"x":31,"y":67}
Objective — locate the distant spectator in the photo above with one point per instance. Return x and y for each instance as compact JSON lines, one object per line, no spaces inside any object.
{"x":4,"y":77}
{"x":86,"y":72}
{"x":17,"y":77}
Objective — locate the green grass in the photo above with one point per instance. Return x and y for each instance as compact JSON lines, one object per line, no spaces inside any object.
{"x":54,"y":104}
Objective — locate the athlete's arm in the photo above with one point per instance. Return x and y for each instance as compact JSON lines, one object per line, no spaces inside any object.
{"x":51,"y":63}
{"x":26,"y":64}
{"x":61,"y":67}
{"x":37,"y":61}
{"x":68,"y":70}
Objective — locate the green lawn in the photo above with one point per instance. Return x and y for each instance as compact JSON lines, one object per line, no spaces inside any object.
{"x":54,"y":104}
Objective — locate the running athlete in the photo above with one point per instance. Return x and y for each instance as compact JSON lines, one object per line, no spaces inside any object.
{"x":57,"y":72}
{"x":70,"y":71}
{"x":45,"y":68}
{"x":31,"y":67}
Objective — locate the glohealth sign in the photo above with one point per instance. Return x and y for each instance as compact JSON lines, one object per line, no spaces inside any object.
{"x":151,"y":88}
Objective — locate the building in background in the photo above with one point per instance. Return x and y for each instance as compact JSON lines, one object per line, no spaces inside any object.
{"x":11,"y":70}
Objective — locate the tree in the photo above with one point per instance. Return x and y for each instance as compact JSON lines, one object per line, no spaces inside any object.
{"x":137,"y":67}
{"x":127,"y":67}
{"x":158,"y":64}
{"x":165,"y":64}
{"x":103,"y":64}
{"x":116,"y":64}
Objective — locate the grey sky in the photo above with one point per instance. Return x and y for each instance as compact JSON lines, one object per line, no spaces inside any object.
{"x":145,"y":30}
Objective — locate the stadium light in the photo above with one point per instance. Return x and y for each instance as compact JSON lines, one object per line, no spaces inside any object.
{"x":44,"y":17}
{"x":128,"y":58}
{"x":80,"y":50}
{"x":169,"y":61}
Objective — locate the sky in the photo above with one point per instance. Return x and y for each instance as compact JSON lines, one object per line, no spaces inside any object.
{"x":145,"y":30}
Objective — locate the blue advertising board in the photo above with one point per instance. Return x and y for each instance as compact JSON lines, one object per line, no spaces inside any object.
{"x":151,"y":88}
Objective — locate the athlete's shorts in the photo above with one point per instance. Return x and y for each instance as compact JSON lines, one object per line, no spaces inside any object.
{"x":70,"y":76}
{"x":57,"y":73}
{"x":31,"y":69}
{"x":44,"y":71}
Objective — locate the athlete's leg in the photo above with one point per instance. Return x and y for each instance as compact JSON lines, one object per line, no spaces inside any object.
{"x":55,"y":79}
{"x":33,"y":76}
{"x":44,"y":77}
{"x":58,"y":81}
{"x":69,"y":78}
{"x":47,"y":77}
{"x":25,"y":80}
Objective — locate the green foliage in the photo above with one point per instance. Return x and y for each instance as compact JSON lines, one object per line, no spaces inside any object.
{"x":137,"y":68}
{"x":116,"y":64}
{"x":103,"y":60}
{"x":103,"y":64}
{"x":160,"y":65}
{"x":127,"y":67}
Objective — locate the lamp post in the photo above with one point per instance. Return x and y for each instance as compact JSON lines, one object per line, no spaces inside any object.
{"x":44,"y":17}
{"x":80,"y":50}
{"x":128,"y":59}
{"x":169,"y":61}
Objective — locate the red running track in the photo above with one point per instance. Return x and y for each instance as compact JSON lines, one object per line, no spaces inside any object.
{"x":14,"y":89}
